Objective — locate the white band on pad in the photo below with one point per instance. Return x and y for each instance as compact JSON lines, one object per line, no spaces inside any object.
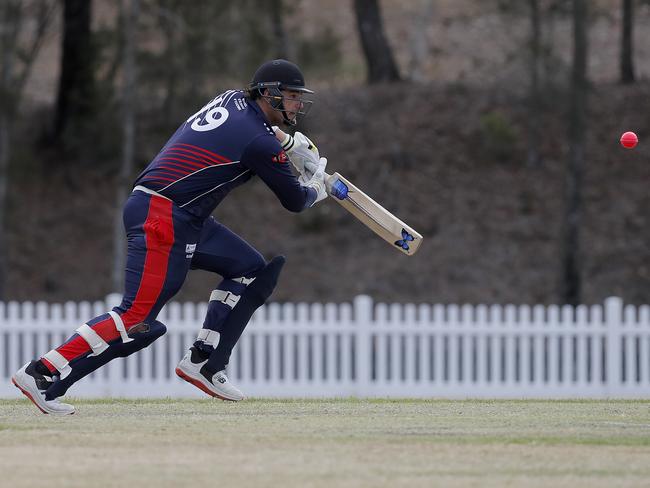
{"x":209,"y":337}
{"x":225,"y":297}
{"x":96,"y":343}
{"x":119,"y":325}
{"x":59,"y":362}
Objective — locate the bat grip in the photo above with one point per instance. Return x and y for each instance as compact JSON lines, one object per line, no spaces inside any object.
{"x":335,"y":187}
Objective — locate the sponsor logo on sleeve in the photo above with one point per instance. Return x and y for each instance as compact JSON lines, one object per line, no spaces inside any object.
{"x":280,"y":158}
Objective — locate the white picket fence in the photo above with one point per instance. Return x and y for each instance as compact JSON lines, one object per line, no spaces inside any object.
{"x":369,"y":350}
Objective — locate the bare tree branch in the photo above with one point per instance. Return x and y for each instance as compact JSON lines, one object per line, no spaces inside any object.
{"x":46,"y":11}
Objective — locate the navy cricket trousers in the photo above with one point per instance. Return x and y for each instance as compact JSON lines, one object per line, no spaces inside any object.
{"x":164,"y":243}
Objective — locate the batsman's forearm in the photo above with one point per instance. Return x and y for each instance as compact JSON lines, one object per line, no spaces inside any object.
{"x":280,"y":135}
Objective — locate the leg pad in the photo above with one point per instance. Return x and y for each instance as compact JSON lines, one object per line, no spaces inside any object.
{"x":251,"y":299}
{"x":141,"y":336}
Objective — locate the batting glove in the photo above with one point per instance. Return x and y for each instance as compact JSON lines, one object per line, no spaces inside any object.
{"x":302,"y":152}
{"x":317,"y":181}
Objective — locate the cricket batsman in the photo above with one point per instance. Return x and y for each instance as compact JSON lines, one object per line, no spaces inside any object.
{"x":170,"y":230}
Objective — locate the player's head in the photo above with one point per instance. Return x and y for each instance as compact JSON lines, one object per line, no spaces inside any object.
{"x":280,"y":86}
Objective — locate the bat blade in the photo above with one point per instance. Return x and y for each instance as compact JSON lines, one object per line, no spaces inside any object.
{"x":374,"y":216}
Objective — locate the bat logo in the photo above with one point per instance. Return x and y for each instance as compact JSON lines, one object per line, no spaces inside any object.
{"x":404,"y":241}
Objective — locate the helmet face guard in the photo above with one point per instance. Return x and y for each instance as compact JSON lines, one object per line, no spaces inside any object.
{"x":276,"y":98}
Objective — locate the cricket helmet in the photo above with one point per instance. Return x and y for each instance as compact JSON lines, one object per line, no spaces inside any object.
{"x":275,"y":76}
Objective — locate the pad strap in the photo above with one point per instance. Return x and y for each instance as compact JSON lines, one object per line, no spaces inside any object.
{"x":225,"y":297}
{"x":209,"y":337}
{"x":96,"y":343}
{"x":57,"y":360}
{"x":244,"y":281}
{"x":119,"y":325}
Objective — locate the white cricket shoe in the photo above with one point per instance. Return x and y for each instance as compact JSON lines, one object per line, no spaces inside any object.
{"x":34,"y":385}
{"x":216,"y":385}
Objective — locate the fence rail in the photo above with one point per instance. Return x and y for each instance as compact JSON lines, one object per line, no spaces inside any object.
{"x":369,"y":350}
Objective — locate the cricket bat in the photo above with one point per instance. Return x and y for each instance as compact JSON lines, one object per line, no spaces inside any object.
{"x":372,"y":215}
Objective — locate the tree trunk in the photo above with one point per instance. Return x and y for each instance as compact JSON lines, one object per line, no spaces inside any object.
{"x":381,"y":65}
{"x":534,"y":106}
{"x":577,"y":131}
{"x":418,"y":44}
{"x":171,"y":24}
{"x":77,"y":80}
{"x":9,"y":27}
{"x":4,"y":175}
{"x":282,"y":48}
{"x":627,"y":42}
{"x":15,"y":68}
{"x":131,"y":11}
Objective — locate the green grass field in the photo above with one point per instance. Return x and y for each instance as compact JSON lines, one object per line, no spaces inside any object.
{"x":327,"y":443}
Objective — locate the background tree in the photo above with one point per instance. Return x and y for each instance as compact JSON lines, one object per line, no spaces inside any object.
{"x":380,"y":63}
{"x":193,"y":54}
{"x":281,"y":41}
{"x":173,"y":27}
{"x":18,"y":51}
{"x":627,"y":42}
{"x":76,"y":92}
{"x":534,"y":96}
{"x":418,"y":42}
{"x":571,"y":289}
{"x":438,"y":180}
{"x":131,"y":10}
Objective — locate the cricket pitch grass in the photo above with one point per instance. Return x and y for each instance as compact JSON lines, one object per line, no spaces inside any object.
{"x":327,"y":443}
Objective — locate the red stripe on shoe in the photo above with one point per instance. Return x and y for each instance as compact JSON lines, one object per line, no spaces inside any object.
{"x":26,"y":393}
{"x":201,"y":386}
{"x":159,"y":238}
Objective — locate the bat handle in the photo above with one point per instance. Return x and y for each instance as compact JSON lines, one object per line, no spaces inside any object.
{"x":335,"y":187}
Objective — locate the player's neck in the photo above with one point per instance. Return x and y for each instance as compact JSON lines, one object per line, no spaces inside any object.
{"x":269,"y":113}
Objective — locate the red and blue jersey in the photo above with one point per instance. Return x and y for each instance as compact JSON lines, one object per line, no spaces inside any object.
{"x":220,"y":147}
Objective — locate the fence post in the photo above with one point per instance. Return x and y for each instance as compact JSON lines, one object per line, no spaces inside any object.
{"x":362,"y":321}
{"x":613,"y":316}
{"x":113,"y":300}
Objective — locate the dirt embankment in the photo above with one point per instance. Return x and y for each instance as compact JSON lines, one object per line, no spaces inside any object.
{"x":449,"y":160}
